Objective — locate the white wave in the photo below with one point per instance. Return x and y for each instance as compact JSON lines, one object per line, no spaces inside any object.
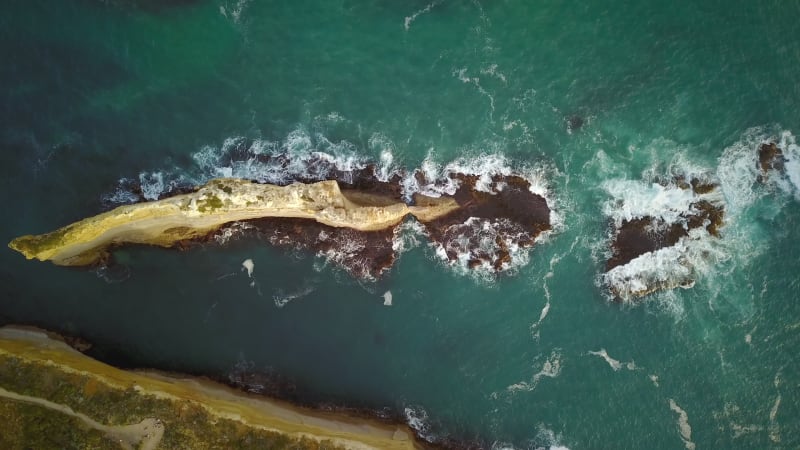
{"x":683,"y":425}
{"x":230,"y":231}
{"x":440,"y":180}
{"x":739,"y":169}
{"x":383,"y":145}
{"x":485,"y":250}
{"x":662,"y":193}
{"x":554,"y":260}
{"x":407,"y":236}
{"x":417,"y":419}
{"x":791,"y":152}
{"x":774,"y":427}
{"x":667,"y":268}
{"x":302,"y":151}
{"x":635,"y":199}
{"x":548,"y":437}
{"x":122,"y":194}
{"x":152,"y":184}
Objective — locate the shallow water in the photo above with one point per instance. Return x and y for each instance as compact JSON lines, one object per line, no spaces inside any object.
{"x":94,"y":92}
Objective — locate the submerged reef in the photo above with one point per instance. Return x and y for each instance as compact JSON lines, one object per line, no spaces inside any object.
{"x":351,"y":216}
{"x":52,"y":396}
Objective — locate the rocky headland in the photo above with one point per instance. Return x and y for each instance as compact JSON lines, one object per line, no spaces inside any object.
{"x":349,"y":215}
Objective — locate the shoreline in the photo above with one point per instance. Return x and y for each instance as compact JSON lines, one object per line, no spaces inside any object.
{"x":48,"y":351}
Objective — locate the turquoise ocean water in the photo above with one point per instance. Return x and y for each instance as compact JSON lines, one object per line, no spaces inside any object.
{"x":92,"y":92}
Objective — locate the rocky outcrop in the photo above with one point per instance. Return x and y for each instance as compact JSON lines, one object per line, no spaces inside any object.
{"x":489,"y":222}
{"x":770,"y":158}
{"x":651,"y":253}
{"x":169,"y":221}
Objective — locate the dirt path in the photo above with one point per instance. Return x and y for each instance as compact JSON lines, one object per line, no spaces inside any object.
{"x":144,"y":435}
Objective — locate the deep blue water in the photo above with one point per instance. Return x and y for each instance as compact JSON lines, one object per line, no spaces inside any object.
{"x":92,"y":92}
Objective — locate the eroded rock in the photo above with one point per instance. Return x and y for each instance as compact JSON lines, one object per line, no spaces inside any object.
{"x":651,"y":253}
{"x":488,"y":223}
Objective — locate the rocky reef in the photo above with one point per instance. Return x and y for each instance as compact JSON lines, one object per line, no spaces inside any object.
{"x":770,"y":158}
{"x":656,"y":247}
{"x":52,"y":396}
{"x":489,"y":223}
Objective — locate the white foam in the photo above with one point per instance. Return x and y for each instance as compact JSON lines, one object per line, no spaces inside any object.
{"x":739,"y":168}
{"x":410,"y":19}
{"x":248,"y":265}
{"x":635,"y":199}
{"x":417,"y":419}
{"x":121,"y":195}
{"x":551,"y":368}
{"x":658,"y":195}
{"x":679,"y":265}
{"x":548,"y":437}
{"x":281,"y":299}
{"x":407,"y":236}
{"x":554,"y":260}
{"x":439,"y":178}
{"x":230,"y":231}
{"x":486,"y":247}
{"x":300,"y":147}
{"x":615,"y":364}
{"x":152,"y":184}
{"x":683,"y":425}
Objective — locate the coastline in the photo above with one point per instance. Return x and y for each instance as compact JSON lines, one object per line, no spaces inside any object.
{"x":39,"y":351}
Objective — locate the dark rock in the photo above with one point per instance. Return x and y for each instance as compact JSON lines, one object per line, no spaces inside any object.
{"x":511,"y":214}
{"x":770,"y":157}
{"x":639,"y":236}
{"x":574,"y":122}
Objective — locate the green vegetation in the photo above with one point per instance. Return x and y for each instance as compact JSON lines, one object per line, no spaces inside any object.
{"x":33,"y":426}
{"x":33,"y":245}
{"x":186,"y":424}
{"x":209,"y":204}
